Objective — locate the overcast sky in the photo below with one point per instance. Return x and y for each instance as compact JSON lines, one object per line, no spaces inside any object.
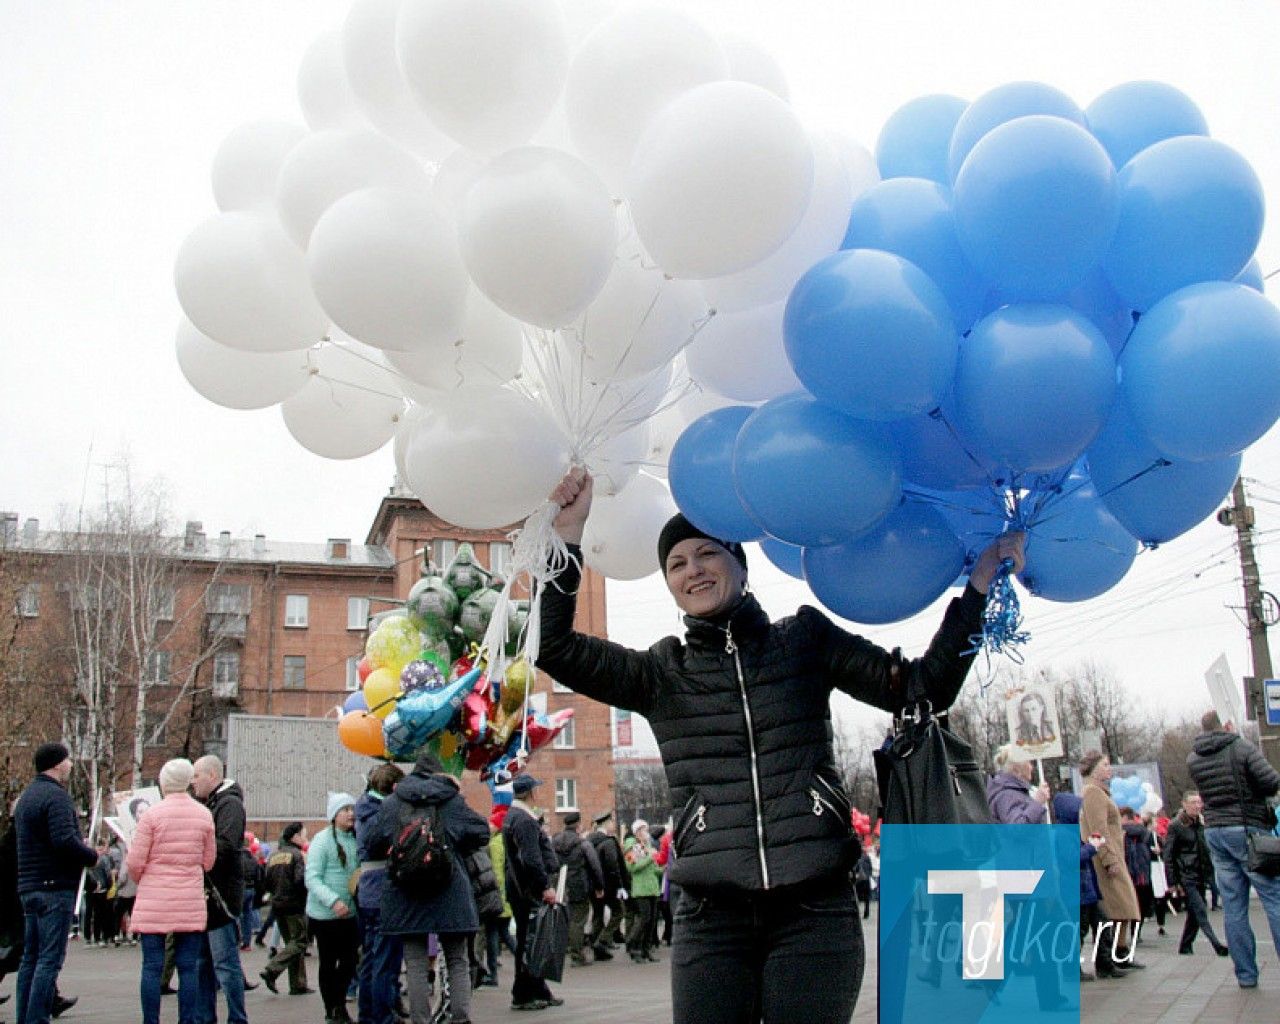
{"x":110,"y":113}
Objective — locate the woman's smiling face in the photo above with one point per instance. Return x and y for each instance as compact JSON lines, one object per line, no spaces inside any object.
{"x":703,"y":577}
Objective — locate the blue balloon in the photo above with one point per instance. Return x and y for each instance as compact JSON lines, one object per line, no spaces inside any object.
{"x":870,"y":334}
{"x":975,"y":517}
{"x":898,"y":569}
{"x":700,"y":472}
{"x":1191,"y":209}
{"x":912,"y":218}
{"x":1001,"y":105}
{"x":1128,"y":118}
{"x":355,"y":702}
{"x":425,"y":713}
{"x":786,"y":557}
{"x":1034,"y":386}
{"x":1201,"y":373}
{"x":1153,"y":499}
{"x":916,"y":140}
{"x":811,"y":475}
{"x":932,"y":454}
{"x":1252,"y":276}
{"x":1036,"y":205}
{"x":1077,"y":549}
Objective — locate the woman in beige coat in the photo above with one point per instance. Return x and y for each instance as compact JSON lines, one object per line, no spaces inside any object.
{"x":1100,"y":816}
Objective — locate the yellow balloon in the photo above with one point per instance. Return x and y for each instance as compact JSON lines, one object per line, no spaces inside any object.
{"x":393,"y":645}
{"x":379,"y":688}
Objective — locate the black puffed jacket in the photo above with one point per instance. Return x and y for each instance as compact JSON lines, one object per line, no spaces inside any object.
{"x":1234,"y":779}
{"x":741,"y":711}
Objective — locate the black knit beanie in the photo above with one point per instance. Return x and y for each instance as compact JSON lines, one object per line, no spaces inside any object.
{"x":50,"y":755}
{"x":678,"y":528}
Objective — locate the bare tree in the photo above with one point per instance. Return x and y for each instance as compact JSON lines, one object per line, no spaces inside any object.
{"x":853,"y":749}
{"x":1091,"y":696}
{"x":640,"y":791}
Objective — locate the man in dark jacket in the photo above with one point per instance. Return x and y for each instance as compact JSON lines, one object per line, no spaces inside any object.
{"x":531,"y":869}
{"x":381,"y":955}
{"x":220,"y":966}
{"x":490,"y":910}
{"x":584,"y":881}
{"x":1188,"y":867}
{"x":51,"y":856}
{"x":1235,"y":780}
{"x":286,"y":881}
{"x":617,"y":880}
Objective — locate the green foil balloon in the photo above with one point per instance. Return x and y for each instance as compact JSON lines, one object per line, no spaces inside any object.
{"x":463,"y":576}
{"x":477,"y":610}
{"x":433,"y":606}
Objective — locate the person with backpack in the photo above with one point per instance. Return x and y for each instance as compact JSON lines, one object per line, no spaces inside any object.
{"x":332,"y":861}
{"x":286,"y":882}
{"x":381,"y":955}
{"x":426,"y":830}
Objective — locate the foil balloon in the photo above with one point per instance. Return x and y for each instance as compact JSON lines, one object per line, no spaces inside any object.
{"x":476,"y":612}
{"x":541,"y":729}
{"x":432,"y":606}
{"x":463,"y":576}
{"x":433,"y":710}
{"x":449,"y":748}
{"x":421,"y":674}
{"x":402,"y":739}
{"x":515,"y":685}
{"x":394,"y":644}
{"x":475,"y":711}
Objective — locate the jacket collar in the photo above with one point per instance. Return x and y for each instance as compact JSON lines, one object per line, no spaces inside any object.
{"x":746,"y":619}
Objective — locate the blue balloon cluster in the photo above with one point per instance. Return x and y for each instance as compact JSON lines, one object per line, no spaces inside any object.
{"x":1043,"y":318}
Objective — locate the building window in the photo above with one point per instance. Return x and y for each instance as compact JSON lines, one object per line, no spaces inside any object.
{"x":228,"y":599}
{"x":565,"y":737}
{"x":154,"y":729}
{"x":295,"y":671}
{"x":164,"y":602}
{"x":29,"y":600}
{"x":442,"y":553}
{"x":353,"y":673}
{"x":159,"y":666}
{"x":500,"y":558}
{"x":295,"y":611}
{"x":215,"y":729}
{"x":358,"y":613}
{"x":226,"y":673}
{"x":566,"y":794}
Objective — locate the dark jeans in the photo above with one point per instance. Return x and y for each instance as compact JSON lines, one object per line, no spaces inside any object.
{"x":579,"y":910}
{"x":248,"y":917}
{"x":640,"y":930}
{"x":379,"y":969}
{"x":293,"y":934}
{"x":497,"y":933}
{"x":47,"y":929}
{"x":598,"y":936}
{"x":789,"y":954}
{"x":338,"y":946}
{"x":220,"y":968}
{"x":1197,"y":919}
{"x":186,"y":953}
{"x":526,"y":986}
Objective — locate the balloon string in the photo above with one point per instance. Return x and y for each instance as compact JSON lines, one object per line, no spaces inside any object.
{"x":1002,"y":632}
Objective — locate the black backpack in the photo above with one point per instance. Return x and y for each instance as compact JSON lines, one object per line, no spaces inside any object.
{"x":420,"y":859}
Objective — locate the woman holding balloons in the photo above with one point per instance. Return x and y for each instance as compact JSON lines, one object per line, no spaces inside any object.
{"x":767,"y":925}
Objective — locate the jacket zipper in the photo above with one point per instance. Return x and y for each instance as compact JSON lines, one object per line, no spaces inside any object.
{"x":731,"y":648}
{"x":832,"y":790}
{"x":698,"y":821}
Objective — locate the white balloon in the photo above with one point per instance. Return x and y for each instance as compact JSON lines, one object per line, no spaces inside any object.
{"x":750,"y":62}
{"x":349,"y":407}
{"x":629,"y":68}
{"x":455,"y":176}
{"x":859,"y":162}
{"x":485,"y":457}
{"x":385,"y":266}
{"x":487,"y":72}
{"x":409,"y":420}
{"x":323,"y":90}
{"x":243,"y":283}
{"x":538,"y":231}
{"x":621,"y":537}
{"x":741,"y":355}
{"x":818,"y":234}
{"x":377,"y":83}
{"x":581,"y":17}
{"x":640,"y":320}
{"x":615,"y":463}
{"x":719,"y":180}
{"x":237,"y":379}
{"x":247,"y":164}
{"x":486,"y":351}
{"x":328,"y":165}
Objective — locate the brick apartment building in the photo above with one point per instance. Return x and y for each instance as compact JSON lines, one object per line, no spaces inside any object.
{"x":268,"y":627}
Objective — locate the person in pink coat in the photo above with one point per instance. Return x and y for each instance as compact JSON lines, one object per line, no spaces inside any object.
{"x":172,"y":849}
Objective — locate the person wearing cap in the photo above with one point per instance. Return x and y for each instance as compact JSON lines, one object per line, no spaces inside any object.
{"x":530,"y":867}
{"x":332,"y":860}
{"x":51,"y":856}
{"x":286,"y":881}
{"x":617,"y":887}
{"x":449,"y":914}
{"x":741,"y":711}
{"x":583,"y":881}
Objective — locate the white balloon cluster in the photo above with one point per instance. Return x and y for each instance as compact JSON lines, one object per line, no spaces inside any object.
{"x":500,"y":229}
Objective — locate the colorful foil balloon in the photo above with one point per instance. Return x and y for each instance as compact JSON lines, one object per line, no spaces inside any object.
{"x":463,"y":576}
{"x":421,"y":674}
{"x":432,"y":606}
{"x":394,"y":644}
{"x":433,"y":710}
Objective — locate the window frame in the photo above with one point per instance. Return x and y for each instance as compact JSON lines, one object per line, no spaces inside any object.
{"x":292,"y":621}
{"x":159,"y":668}
{"x":291,"y":665}
{"x":353,"y":673}
{"x":566,"y":738}
{"x":354,"y":602}
{"x":570,"y":795}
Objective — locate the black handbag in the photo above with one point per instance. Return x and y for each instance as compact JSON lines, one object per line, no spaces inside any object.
{"x":215,"y":908}
{"x":927,"y":774}
{"x":1264,"y":854}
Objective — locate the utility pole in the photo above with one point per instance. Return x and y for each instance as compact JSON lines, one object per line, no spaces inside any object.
{"x":1259,"y":607}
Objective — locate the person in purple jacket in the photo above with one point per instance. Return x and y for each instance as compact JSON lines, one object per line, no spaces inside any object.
{"x":1010,"y":795}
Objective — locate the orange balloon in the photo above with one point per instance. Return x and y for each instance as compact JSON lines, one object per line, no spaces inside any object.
{"x":361,"y":733}
{"x":379,"y":688}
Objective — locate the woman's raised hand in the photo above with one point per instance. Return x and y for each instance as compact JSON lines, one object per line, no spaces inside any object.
{"x":573,"y":495}
{"x":1009,"y":545}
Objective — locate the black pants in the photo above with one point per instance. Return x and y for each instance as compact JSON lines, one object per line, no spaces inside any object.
{"x":526,"y":987}
{"x":1197,"y":919}
{"x":640,"y":931}
{"x":863,"y":889}
{"x":598,"y":936}
{"x":338,"y":947}
{"x":789,"y":954}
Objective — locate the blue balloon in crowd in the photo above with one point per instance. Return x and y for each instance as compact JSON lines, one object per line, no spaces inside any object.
{"x":1154,"y":499}
{"x":975,"y":517}
{"x":912,"y":218}
{"x":700,"y":471}
{"x":786,"y":557}
{"x":428,"y":712}
{"x":1034,"y":386}
{"x":810,"y":475}
{"x":898,"y":569}
{"x":1202,"y":371}
{"x":932,"y":454}
{"x":1076,"y":549}
{"x":1128,"y":118}
{"x":355,"y":702}
{"x":870,"y":334}
{"x":1036,"y":206}
{"x":1003,"y":104}
{"x":1252,"y":276}
{"x":1191,"y":209}
{"x":916,"y":140}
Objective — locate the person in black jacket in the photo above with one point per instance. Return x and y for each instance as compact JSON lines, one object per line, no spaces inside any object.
{"x":1235,"y":781}
{"x":617,"y":880}
{"x":584,"y":881}
{"x":51,"y":856}
{"x":741,"y":711}
{"x":488,"y":897}
{"x":1188,"y":867}
{"x":531,"y":868}
{"x":251,"y":872}
{"x":286,"y":881}
{"x":220,"y":966}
